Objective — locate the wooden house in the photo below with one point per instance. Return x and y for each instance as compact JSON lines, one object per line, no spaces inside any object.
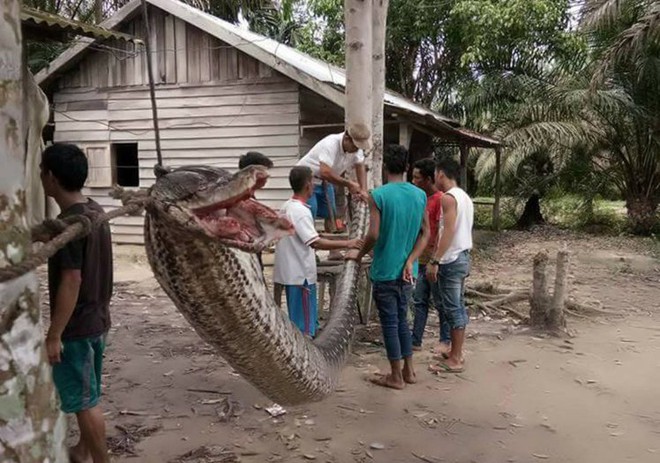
{"x":221,"y":91}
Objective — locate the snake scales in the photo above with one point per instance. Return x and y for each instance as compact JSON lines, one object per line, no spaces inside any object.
{"x":215,"y":281}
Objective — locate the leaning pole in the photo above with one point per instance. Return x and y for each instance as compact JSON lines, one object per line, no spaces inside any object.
{"x":31,"y":427}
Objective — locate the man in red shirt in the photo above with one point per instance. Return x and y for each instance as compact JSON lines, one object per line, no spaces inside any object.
{"x":424,"y":178}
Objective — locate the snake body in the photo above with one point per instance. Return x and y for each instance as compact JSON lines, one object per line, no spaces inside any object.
{"x":221,"y":292}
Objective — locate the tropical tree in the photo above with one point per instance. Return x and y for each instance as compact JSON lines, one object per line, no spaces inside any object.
{"x":604,"y":106}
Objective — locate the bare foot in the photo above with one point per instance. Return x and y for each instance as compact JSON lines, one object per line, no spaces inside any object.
{"x":409,"y":376}
{"x":417,"y":348}
{"x":444,"y":356}
{"x":387,"y":381}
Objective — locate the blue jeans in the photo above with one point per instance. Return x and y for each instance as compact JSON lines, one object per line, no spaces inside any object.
{"x":425,"y":292}
{"x":318,"y":204}
{"x":451,"y":287}
{"x":391,"y":298}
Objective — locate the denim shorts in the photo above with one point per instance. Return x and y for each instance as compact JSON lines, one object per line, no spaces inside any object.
{"x":318,"y":203}
{"x":451,"y":288}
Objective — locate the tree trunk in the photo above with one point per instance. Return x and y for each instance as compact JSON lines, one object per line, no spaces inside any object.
{"x":642,"y":215}
{"x":379,"y":13}
{"x":531,"y":214}
{"x":546,"y":311}
{"x":556,"y":318}
{"x":539,"y":302}
{"x":31,"y":427}
{"x":358,"y":19}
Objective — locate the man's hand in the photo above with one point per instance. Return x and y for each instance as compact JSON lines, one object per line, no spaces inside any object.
{"x":432,"y":273}
{"x":354,"y":188}
{"x":408,"y":272}
{"x":355,"y":244}
{"x":353,"y":254}
{"x":53,"y":349}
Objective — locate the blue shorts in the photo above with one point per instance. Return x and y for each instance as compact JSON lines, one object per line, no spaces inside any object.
{"x":302,"y":304}
{"x":318,"y":202}
{"x":77,"y":377}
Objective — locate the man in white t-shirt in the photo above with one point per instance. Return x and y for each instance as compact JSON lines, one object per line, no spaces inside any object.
{"x":295,"y":262}
{"x":450,"y":264}
{"x":329,"y":159}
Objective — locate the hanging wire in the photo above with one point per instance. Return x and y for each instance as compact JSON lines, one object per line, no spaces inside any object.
{"x":150,"y":71}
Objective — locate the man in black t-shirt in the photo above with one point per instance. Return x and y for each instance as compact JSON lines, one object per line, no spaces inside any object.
{"x":254,"y":158}
{"x":80,"y":287}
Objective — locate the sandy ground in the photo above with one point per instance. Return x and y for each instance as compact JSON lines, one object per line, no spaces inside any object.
{"x":523,"y":398}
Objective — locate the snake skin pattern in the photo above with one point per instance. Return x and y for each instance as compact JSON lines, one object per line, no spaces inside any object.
{"x":221,"y":292}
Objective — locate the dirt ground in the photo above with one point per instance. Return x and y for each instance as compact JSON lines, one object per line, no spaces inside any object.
{"x":523,"y":397}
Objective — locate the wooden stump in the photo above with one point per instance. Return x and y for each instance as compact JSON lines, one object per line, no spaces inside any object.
{"x":547,"y":311}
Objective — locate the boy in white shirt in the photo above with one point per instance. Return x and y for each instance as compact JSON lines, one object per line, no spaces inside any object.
{"x":295,"y":262}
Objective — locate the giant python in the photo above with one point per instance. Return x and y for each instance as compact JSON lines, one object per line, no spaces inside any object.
{"x":202,"y":230}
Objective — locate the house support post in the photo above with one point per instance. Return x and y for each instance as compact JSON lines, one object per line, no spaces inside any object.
{"x":498,"y":188}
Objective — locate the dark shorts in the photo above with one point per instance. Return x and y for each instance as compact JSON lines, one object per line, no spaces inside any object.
{"x":78,"y":375}
{"x":318,"y":203}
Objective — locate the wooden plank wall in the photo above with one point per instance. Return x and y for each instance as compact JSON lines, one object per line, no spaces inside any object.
{"x":214,"y":104}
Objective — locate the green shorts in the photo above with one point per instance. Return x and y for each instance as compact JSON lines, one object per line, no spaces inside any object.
{"x":78,"y":375}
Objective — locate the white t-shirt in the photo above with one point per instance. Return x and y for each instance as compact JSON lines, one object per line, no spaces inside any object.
{"x":464,"y":219}
{"x":330,"y":151}
{"x":295,"y":261}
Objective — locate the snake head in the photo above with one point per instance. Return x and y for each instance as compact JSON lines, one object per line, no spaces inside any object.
{"x":210,"y":201}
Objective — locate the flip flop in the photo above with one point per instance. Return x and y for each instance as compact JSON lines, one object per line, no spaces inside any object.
{"x":444,"y":368}
{"x":444,"y":356}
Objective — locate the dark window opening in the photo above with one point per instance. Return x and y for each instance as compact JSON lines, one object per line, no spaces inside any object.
{"x":126,"y":165}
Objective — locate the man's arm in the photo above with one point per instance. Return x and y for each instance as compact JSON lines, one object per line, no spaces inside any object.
{"x":418,"y":249}
{"x":372,"y":235}
{"x":361,"y":174}
{"x":326,"y":173}
{"x":328,"y":245}
{"x":65,"y":303}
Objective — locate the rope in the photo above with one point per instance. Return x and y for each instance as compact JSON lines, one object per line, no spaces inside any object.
{"x":61,"y":232}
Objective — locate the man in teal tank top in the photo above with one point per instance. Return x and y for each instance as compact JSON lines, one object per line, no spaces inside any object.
{"x":398,"y":234}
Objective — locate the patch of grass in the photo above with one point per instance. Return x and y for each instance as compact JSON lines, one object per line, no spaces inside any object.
{"x":569,"y":212}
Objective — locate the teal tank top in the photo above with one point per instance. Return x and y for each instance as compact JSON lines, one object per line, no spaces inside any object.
{"x":401,"y":206}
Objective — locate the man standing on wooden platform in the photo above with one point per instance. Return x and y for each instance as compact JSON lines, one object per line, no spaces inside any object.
{"x":80,"y":287}
{"x":425,"y":291}
{"x":329,"y":159}
{"x":398,"y":233}
{"x":450,"y":265}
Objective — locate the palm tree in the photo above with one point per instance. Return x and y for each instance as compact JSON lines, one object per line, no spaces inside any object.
{"x":606,"y":105}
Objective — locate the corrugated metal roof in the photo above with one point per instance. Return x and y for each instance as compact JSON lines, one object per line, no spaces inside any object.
{"x":42,"y":19}
{"x":319,"y":76}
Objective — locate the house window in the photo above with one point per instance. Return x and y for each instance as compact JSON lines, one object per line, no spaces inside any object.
{"x":126,"y":165}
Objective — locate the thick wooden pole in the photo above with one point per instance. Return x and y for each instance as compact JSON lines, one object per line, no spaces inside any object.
{"x":31,"y":427}
{"x":498,"y":188}
{"x":358,"y":23}
{"x":464,"y":160}
{"x":379,"y":14}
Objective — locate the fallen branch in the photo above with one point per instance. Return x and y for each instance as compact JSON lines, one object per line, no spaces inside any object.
{"x":575,"y":306}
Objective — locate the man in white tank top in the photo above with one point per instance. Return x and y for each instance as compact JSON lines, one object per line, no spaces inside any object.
{"x":450,"y":265}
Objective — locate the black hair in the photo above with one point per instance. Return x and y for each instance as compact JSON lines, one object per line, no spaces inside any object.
{"x":299,"y":177}
{"x":254,"y":158}
{"x":426,"y":167}
{"x":67,"y":163}
{"x":450,"y":168}
{"x":395,"y":159}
